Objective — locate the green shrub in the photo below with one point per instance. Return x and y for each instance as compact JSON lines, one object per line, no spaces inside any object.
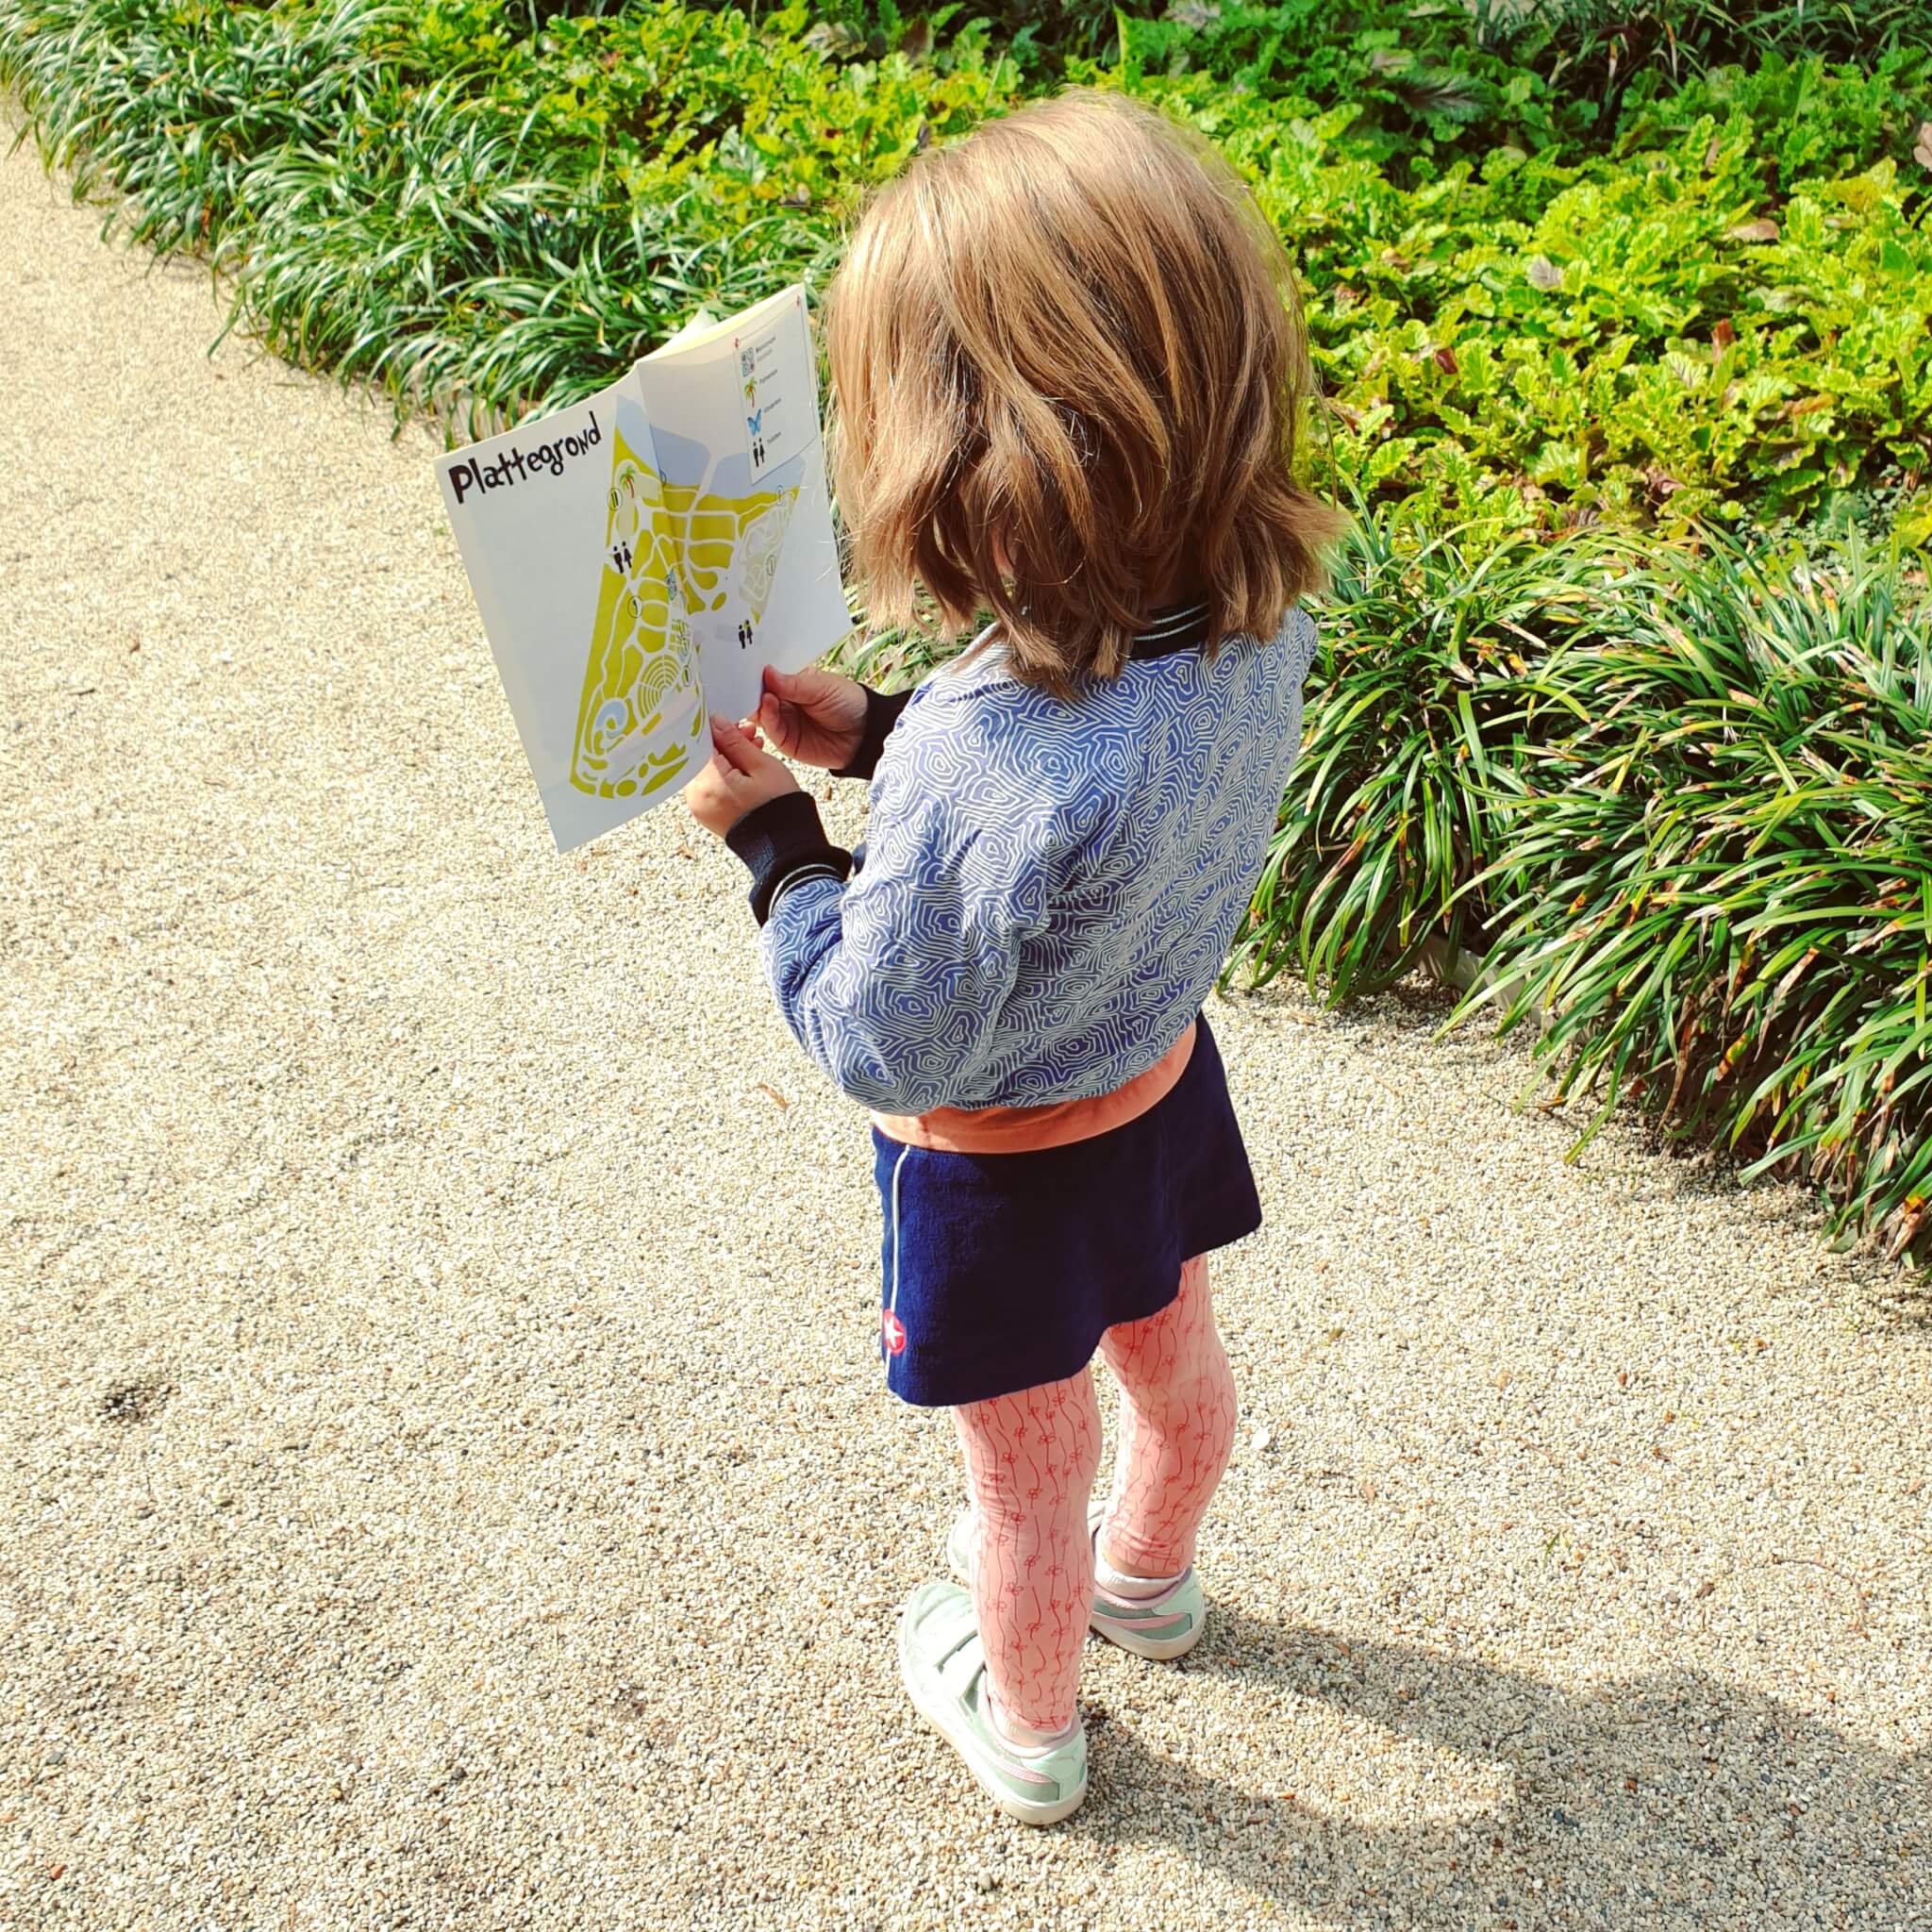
{"x":1431,"y":81}
{"x":479,"y":222}
{"x":1680,"y":803}
{"x":1423,"y":679}
{"x":1719,"y":316}
{"x":1650,"y":338}
{"x":1720,"y":890}
{"x":1599,"y":49}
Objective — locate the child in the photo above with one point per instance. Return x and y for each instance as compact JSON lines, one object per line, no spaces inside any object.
{"x":1064,"y":362}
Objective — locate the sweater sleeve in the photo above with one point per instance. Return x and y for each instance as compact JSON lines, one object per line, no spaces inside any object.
{"x":894,"y":982}
{"x":780,"y":840}
{"x":881,"y":714}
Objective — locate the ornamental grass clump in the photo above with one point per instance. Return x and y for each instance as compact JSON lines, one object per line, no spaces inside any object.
{"x":1425,"y":684}
{"x":168,"y":110}
{"x":1717,"y":889}
{"x":1679,"y":803}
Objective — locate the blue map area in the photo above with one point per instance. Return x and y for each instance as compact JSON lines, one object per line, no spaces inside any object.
{"x":682,"y":460}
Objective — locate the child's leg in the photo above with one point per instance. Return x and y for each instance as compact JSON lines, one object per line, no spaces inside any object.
{"x":1176,"y":1430}
{"x":1030,"y":1463}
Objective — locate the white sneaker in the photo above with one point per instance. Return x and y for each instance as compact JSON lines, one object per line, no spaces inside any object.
{"x":943,"y":1662}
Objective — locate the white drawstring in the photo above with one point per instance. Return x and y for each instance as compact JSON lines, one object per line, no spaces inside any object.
{"x":892,"y":1306}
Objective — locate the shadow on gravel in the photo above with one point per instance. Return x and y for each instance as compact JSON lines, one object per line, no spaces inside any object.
{"x":1909,"y":1307}
{"x":1671,"y":1799}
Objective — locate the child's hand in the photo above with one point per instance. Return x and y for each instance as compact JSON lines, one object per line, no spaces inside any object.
{"x":741,"y":777}
{"x":813,"y":716}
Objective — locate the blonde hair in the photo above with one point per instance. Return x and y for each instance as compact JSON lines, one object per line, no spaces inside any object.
{"x":1066,"y":359}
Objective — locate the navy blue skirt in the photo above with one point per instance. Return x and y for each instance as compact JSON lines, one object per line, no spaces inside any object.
{"x":1002,"y":1271}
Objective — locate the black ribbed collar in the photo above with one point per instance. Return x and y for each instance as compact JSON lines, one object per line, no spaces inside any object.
{"x":1179,"y":627}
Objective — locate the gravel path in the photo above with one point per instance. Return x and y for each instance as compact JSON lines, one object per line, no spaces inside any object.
{"x":445,"y":1475}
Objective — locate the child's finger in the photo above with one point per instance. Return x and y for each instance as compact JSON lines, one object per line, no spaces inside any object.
{"x":801,"y":689}
{"x":738,"y":751}
{"x":778,"y":703}
{"x":775,"y":723}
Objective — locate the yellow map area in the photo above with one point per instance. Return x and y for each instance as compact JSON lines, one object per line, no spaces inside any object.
{"x":640,"y":713}
{"x":641,"y":710}
{"x":730,"y":543}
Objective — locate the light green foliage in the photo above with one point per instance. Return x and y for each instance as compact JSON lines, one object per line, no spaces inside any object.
{"x":1547,"y":340}
{"x":478,"y":221}
{"x":1533,"y":302}
{"x":666,"y":96}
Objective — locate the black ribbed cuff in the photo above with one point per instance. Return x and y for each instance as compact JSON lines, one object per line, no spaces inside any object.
{"x":779,"y":838}
{"x":881,"y":714}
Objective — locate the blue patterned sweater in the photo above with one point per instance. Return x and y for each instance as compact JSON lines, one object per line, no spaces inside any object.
{"x":1048,"y":889}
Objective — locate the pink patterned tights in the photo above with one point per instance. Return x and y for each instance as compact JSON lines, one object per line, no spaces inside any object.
{"x":1030,"y":1463}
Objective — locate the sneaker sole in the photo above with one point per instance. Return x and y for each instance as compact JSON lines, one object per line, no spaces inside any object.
{"x":1014,"y":1807}
{"x":1161,"y":1650}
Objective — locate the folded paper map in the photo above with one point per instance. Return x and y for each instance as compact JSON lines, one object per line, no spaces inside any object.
{"x":640,"y":557}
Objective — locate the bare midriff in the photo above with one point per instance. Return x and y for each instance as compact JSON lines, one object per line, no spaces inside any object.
{"x":1026,"y":1129}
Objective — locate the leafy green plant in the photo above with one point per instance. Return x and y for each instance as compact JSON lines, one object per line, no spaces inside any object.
{"x":1424,"y":673}
{"x":1430,"y":81}
{"x":1709,"y":318}
{"x":1679,"y":802}
{"x":476,"y":220}
{"x":1641,"y":339}
{"x":1597,"y":49}
{"x":1720,"y":893}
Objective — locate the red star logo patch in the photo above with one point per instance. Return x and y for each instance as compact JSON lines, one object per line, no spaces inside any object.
{"x":893,"y":1332}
